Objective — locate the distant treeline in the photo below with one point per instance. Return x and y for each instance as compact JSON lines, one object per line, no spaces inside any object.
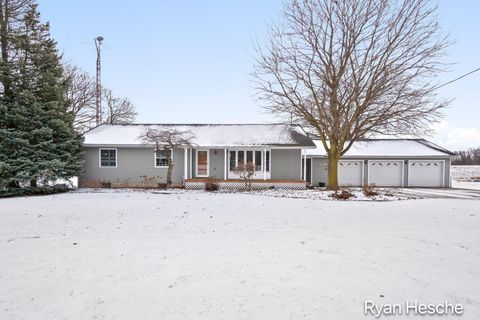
{"x":469,"y":157}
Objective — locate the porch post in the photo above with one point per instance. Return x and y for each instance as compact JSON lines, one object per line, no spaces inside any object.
{"x":304,"y":165}
{"x":225,"y":164}
{"x":191,"y":157}
{"x":185,"y":164}
{"x":301,"y":159}
{"x":264,"y":164}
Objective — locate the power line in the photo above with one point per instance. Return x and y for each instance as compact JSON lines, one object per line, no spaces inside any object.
{"x":456,"y":79}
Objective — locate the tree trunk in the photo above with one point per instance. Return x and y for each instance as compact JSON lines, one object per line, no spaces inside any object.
{"x":333,"y":158}
{"x":4,"y":43}
{"x":169,"y":175}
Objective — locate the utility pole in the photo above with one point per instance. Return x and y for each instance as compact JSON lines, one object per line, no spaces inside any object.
{"x":98,"y":116}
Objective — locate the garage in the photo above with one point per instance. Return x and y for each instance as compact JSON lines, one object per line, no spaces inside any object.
{"x":426,"y":173}
{"x":386,"y":163}
{"x":385,"y":173}
{"x":350,"y":172}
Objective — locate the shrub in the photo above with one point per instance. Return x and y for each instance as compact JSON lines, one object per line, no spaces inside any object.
{"x":32,"y":191}
{"x":106,"y":184}
{"x":246,"y":171}
{"x":369,"y":190}
{"x":212,"y":184}
{"x":342,"y":194}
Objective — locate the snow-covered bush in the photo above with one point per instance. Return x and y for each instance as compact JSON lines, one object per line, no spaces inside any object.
{"x":342,"y":194}
{"x":212,"y":184}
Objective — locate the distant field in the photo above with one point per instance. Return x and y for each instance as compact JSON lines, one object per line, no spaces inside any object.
{"x":466,"y":173}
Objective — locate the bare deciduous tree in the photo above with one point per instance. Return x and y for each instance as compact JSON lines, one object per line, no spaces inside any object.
{"x":167,"y":139}
{"x":353,"y":69}
{"x":82,"y":93}
{"x":81,"y":96}
{"x":117,"y":110}
{"x":245,"y":170}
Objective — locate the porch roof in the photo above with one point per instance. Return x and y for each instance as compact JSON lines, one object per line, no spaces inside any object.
{"x":205,"y":135}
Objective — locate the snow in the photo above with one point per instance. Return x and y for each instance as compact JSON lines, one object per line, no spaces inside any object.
{"x":400,"y":148}
{"x":466,"y":185}
{"x":384,"y":194}
{"x":196,"y":255}
{"x":465,"y":173}
{"x":466,"y":177}
{"x":214,"y":135}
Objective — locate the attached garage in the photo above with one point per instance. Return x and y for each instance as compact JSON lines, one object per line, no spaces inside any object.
{"x":385,"y":173}
{"x":386,"y":163}
{"x":350,"y":172}
{"x":426,"y":173}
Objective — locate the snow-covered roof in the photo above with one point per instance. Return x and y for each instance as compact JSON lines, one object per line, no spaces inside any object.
{"x":207,"y":135}
{"x":387,"y":148}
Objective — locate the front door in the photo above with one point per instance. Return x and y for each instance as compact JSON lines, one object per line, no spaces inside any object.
{"x":202,"y":163}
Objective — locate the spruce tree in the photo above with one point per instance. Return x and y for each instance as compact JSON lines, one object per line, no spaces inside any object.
{"x":38,"y":144}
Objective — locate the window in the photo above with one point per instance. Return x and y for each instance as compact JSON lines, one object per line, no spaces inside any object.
{"x":202,"y":163}
{"x":250,"y":156}
{"x":258,"y":160}
{"x":232,"y":160}
{"x":108,"y":158}
{"x":240,"y":157}
{"x":161,"y":160}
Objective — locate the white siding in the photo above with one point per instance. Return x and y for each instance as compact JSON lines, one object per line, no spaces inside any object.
{"x":319,"y":171}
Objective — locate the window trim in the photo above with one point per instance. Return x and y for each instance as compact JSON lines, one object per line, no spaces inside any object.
{"x":196,"y":163}
{"x":100,"y":158}
{"x":155,"y":158}
{"x":263,"y":156}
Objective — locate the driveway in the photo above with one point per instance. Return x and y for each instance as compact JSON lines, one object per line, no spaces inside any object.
{"x":451,"y":193}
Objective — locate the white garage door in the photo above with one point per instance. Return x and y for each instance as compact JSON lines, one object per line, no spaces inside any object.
{"x":350,"y":173}
{"x":385,"y":173}
{"x":425,"y":173}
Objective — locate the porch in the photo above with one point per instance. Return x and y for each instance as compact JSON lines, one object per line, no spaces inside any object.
{"x":279,"y":165}
{"x":238,"y":184}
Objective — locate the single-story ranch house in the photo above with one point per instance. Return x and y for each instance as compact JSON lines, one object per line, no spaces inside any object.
{"x":283,"y":156}
{"x":117,"y":154}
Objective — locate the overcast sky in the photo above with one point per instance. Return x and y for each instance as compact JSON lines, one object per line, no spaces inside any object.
{"x":188,"y":61}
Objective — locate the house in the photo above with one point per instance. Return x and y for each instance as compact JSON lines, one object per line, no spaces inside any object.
{"x":283,"y":156}
{"x":384,"y":162}
{"x":115,"y":155}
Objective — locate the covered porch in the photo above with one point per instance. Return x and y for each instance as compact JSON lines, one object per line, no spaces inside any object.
{"x":274,"y":166}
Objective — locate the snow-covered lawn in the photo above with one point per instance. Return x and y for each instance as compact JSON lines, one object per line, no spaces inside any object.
{"x":466,"y":173}
{"x":466,"y":177}
{"x":196,"y":255}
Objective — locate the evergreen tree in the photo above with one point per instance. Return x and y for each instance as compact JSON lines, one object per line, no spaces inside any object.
{"x":38,"y":144}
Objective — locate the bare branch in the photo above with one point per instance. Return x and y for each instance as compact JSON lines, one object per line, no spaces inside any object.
{"x":117,"y":110}
{"x":353,"y":69}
